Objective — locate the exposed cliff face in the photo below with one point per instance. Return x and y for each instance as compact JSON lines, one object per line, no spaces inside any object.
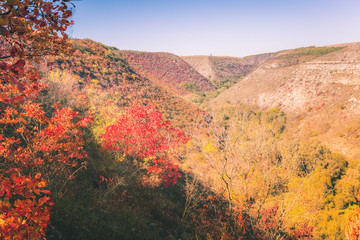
{"x":338,"y":67}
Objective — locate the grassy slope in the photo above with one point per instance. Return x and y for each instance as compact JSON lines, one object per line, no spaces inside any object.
{"x":226,"y":71}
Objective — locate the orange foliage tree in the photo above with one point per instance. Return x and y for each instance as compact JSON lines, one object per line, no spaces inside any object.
{"x":36,"y":148}
{"x":142,"y":134}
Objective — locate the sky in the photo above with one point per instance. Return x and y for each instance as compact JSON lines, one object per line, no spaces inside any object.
{"x":218,"y":27}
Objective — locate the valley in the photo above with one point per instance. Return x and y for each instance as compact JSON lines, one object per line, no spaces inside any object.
{"x":102,"y":143}
{"x":258,"y":117}
{"x":298,"y":106}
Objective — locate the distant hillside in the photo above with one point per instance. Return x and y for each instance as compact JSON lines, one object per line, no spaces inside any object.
{"x":109,"y":78}
{"x":225,"y":71}
{"x":168,"y":71}
{"x":293,"y":78}
{"x":321,"y":85}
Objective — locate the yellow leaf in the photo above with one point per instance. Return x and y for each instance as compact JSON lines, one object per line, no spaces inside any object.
{"x":209,"y":148}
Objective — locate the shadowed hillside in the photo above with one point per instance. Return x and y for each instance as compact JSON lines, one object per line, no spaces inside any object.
{"x":237,"y":139}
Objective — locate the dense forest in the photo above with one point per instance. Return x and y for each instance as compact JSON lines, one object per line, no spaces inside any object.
{"x":97,"y":144}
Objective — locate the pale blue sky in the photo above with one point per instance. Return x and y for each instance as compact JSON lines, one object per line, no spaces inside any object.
{"x":218,"y":27}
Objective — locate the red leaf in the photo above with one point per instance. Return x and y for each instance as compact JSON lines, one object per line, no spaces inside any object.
{"x":18,"y":84}
{"x":19,"y":64}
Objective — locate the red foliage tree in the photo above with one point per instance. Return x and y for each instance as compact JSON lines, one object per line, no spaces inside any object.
{"x":142,"y":134}
{"x":31,"y":142}
{"x":51,"y":148}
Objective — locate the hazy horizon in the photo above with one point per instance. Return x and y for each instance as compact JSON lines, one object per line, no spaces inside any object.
{"x":221,"y":28}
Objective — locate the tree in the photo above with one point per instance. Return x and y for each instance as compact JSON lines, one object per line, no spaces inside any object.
{"x":45,"y":152}
{"x":33,"y":146}
{"x":142,"y":135}
{"x":242,"y":157}
{"x":29,"y":29}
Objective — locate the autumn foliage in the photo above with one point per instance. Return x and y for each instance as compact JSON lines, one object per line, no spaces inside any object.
{"x":30,"y":139}
{"x":24,"y":206}
{"x":38,"y":149}
{"x":167,"y":70}
{"x":49,"y":148}
{"x":243,"y":177}
{"x":142,"y":134}
{"x":29,"y":29}
{"x":105,"y":77}
{"x":352,"y":231}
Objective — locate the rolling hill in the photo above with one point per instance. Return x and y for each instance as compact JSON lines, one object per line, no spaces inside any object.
{"x":318,"y":86}
{"x":101,"y":143}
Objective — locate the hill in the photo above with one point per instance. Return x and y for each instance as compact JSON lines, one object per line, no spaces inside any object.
{"x":226,"y":71}
{"x":318,"y":85}
{"x":95,"y":146}
{"x":167,"y":70}
{"x":101,"y":73}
